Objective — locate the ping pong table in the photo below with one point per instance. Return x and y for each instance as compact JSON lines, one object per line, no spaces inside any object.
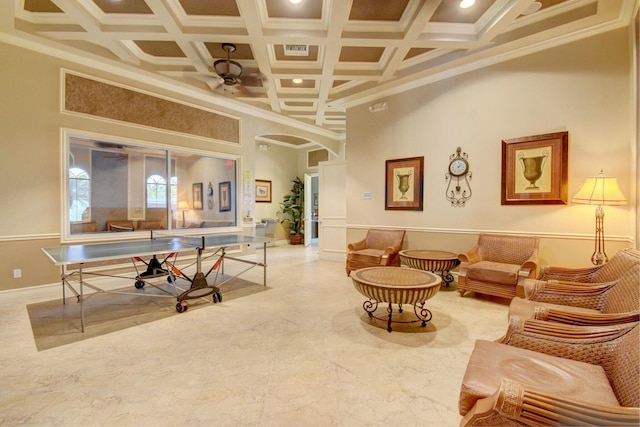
{"x":163,"y":250}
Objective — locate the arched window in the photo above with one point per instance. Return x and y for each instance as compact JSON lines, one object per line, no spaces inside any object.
{"x":79,"y":194}
{"x":156,"y":192}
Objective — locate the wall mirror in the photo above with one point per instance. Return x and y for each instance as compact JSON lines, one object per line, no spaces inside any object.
{"x":122,"y":187}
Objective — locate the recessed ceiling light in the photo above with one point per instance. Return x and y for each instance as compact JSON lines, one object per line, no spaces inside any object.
{"x":297,"y":81}
{"x":294,"y":1}
{"x":464,"y":4}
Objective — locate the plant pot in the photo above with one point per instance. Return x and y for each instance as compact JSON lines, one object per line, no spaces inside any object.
{"x":296,"y":239}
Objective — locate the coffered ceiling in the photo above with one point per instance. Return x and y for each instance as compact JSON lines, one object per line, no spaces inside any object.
{"x":344,"y":52}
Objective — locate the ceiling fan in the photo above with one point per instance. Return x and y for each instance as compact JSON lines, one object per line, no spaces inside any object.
{"x":231,"y":73}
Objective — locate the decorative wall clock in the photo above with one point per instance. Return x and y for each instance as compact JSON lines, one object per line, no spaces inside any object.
{"x":458,"y":177}
{"x":210,"y":196}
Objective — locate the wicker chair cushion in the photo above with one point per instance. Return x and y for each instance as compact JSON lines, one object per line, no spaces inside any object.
{"x":525,"y":308}
{"x":371,"y":256}
{"x":492,"y":362}
{"x":496,"y":272}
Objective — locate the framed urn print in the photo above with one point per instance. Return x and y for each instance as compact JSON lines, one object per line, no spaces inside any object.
{"x":534,"y":169}
{"x":224,"y":190}
{"x":403,"y":184}
{"x":197,"y":196}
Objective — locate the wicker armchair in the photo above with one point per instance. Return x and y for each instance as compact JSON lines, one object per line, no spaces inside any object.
{"x":606,"y":303}
{"x":379,"y":248}
{"x":498,"y":264}
{"x":611,"y":302}
{"x":617,"y":265}
{"x":552,"y":374}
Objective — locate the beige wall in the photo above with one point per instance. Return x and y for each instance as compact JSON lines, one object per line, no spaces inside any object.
{"x":583,"y":88}
{"x":31,"y":132}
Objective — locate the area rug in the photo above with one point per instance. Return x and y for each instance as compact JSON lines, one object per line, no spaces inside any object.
{"x":55,"y":324}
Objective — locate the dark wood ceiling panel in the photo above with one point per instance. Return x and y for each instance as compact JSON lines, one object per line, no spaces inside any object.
{"x":243,"y":51}
{"x":377,"y":10}
{"x":128,"y":6}
{"x":306,"y":9}
{"x":360,"y":54}
{"x":305,"y":83}
{"x":210,"y":7}
{"x":166,"y":49}
{"x":450,"y":11}
{"x":46,"y":6}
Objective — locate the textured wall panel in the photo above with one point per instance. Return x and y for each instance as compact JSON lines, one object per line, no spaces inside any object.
{"x":88,"y":96}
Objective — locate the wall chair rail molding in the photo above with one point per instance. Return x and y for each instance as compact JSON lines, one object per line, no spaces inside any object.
{"x":99,"y":98}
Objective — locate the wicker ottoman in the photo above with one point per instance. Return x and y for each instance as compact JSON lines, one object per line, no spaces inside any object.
{"x":396,"y":285}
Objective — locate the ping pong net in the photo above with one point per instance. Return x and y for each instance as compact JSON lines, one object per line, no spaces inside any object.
{"x":196,"y":241}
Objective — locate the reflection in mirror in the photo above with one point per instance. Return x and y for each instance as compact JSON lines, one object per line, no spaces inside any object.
{"x":114,"y":187}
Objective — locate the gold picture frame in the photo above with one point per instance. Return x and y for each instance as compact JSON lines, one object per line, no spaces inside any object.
{"x":197,"y":196}
{"x":224,"y":190}
{"x":263,"y":191}
{"x":534,"y":169}
{"x":403,"y":184}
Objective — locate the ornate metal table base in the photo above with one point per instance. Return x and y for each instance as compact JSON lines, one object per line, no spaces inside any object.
{"x":423,"y":314}
{"x":446,"y":275}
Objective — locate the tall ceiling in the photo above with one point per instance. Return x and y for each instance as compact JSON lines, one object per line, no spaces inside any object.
{"x":345,"y":52}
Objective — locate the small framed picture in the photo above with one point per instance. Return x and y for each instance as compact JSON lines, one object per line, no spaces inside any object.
{"x":197,"y":196}
{"x":263,"y":191}
{"x":403,"y":184}
{"x":534,"y":169}
{"x":224,"y":190}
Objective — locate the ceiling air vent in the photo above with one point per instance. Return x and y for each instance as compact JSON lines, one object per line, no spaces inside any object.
{"x":296,"y":50}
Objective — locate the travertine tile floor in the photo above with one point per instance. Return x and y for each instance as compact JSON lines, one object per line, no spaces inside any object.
{"x":302,"y":353}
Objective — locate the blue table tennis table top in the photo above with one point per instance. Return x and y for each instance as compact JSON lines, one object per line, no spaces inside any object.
{"x":76,"y":254}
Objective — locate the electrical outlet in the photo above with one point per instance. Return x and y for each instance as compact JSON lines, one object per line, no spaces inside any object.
{"x":17,"y":273}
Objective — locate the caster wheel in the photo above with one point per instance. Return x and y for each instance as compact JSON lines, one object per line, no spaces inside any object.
{"x":171,"y":279}
{"x":424,"y":323}
{"x":370,"y":315}
{"x":139,"y":284}
{"x":182,"y":306}
{"x":219,"y":296}
{"x":215,"y":298}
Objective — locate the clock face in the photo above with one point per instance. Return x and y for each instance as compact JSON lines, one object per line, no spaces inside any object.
{"x":458,"y":167}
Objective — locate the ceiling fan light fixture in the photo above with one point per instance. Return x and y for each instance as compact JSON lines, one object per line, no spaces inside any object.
{"x":229,"y":70}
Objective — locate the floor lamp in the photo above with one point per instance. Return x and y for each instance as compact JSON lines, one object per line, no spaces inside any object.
{"x":602,"y":191}
{"x":183,"y":206}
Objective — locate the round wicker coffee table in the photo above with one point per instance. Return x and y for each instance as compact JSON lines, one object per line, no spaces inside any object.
{"x":396,"y":285}
{"x":430,"y":260}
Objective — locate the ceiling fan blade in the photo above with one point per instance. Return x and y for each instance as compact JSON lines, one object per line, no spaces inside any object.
{"x":244,"y":90}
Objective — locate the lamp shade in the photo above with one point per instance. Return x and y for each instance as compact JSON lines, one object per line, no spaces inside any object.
{"x":183,"y":205}
{"x":600,"y":190}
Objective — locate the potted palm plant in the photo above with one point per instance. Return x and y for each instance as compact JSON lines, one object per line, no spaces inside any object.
{"x":292,"y":209}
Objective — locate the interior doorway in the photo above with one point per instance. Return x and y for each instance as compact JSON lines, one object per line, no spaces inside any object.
{"x":311,"y":221}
